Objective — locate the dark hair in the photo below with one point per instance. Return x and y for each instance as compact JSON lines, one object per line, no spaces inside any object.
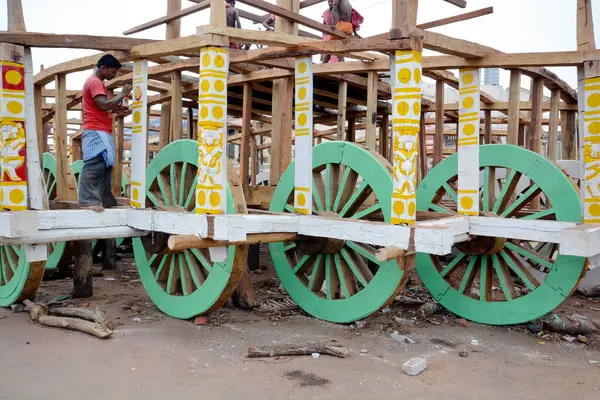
{"x":108,"y":61}
{"x":232,"y":2}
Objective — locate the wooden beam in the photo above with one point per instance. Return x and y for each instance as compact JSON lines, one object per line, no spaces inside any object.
{"x":535,"y":139}
{"x":66,"y":188}
{"x":170,"y":17}
{"x":457,"y":18}
{"x":514,"y":100}
{"x":246,"y":135}
{"x":458,"y":3}
{"x":39,"y":124}
{"x":217,"y":13}
{"x":51,"y":40}
{"x":523,"y":106}
{"x":438,"y":142}
{"x":488,"y":126}
{"x":568,"y":134}
{"x":371,"y":130}
{"x":341,"y":110}
{"x":554,"y":121}
{"x":186,"y":44}
{"x":259,"y":37}
{"x":173,"y":32}
{"x":384,"y":135}
{"x":585,"y":26}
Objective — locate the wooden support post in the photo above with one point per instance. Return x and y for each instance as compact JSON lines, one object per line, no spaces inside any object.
{"x":438,"y":141}
{"x":341,"y":110}
{"x":468,"y":142}
{"x":304,"y":136}
{"x":217,"y":13}
{"x":384,"y":135}
{"x":371,"y":129}
{"x":522,"y":136}
{"x":39,"y":125}
{"x":422,"y":149}
{"x":487,"y":118}
{"x":211,"y":191}
{"x":568,"y":134}
{"x":535,"y":138}
{"x":82,"y":270}
{"x":66,"y":187}
{"x":139,"y":135}
{"x":190,"y":123}
{"x":117,"y":172}
{"x":585,"y":26}
{"x":176,"y":108}
{"x":246,"y":134}
{"x":406,"y":105}
{"x":514,"y":100}
{"x":253,"y":161}
{"x":554,"y":121}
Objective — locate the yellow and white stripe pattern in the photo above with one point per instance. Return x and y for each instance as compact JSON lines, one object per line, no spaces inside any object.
{"x":139,"y":134}
{"x":468,"y":142}
{"x":591,"y":151}
{"x":211,"y":194}
{"x":13,"y":174}
{"x":304,"y":136}
{"x":406,"y":72}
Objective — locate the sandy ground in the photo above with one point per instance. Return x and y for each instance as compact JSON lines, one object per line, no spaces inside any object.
{"x":153,"y":356}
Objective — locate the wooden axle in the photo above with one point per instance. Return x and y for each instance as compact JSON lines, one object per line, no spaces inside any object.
{"x":184,"y":242}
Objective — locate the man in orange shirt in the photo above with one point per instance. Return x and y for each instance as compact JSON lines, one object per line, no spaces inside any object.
{"x":98,"y":145}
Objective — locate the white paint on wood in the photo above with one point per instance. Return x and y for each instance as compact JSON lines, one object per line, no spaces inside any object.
{"x":73,"y":219}
{"x":139,"y":134}
{"x":535,"y":230}
{"x":571,"y":167}
{"x":169,"y":222}
{"x":17,"y":224}
{"x":67,"y":235}
{"x":218,"y":254}
{"x":589,"y":128}
{"x":36,"y":252}
{"x":468,"y":142}
{"x":582,"y":240}
{"x":303,"y":199}
{"x":438,"y":236}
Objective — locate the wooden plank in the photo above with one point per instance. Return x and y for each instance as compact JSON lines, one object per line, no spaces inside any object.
{"x":568,"y":134}
{"x":170,"y":17}
{"x":438,"y":142}
{"x":246,"y":135}
{"x":51,"y":40}
{"x":217,"y":13}
{"x":190,"y":124}
{"x":422,"y":150}
{"x":371,"y":130}
{"x":514,"y":101}
{"x":186,"y":44}
{"x":523,"y":106}
{"x":117,"y":171}
{"x":259,"y":37}
{"x":458,"y":3}
{"x":341,"y":109}
{"x":554,"y":121}
{"x":535,"y":139}
{"x":66,"y":188}
{"x":176,"y":118}
{"x":384,"y":135}
{"x":585,"y":26}
{"x":457,"y":18}
{"x":488,"y":126}
{"x":39,"y":125}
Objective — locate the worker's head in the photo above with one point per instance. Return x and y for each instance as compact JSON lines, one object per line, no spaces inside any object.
{"x":230,"y":2}
{"x":330,"y":4}
{"x":107,"y":67}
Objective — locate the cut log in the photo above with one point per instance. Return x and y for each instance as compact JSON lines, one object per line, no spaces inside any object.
{"x":75,"y":324}
{"x":98,"y":315}
{"x":35,"y":310}
{"x":82,"y":270}
{"x":297,"y":350}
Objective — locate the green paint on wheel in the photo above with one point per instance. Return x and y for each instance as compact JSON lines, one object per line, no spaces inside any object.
{"x":350,"y":284}
{"x":14,"y":273}
{"x":499,"y":288}
{"x":57,"y":249}
{"x":186,"y":284}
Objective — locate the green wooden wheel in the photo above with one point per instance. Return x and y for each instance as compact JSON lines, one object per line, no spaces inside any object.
{"x":19,"y":280}
{"x":497,"y":281}
{"x":185,"y":284}
{"x":55,"y":250}
{"x":348,"y":284}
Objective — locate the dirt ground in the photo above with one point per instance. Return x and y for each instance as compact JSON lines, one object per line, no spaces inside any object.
{"x":153,"y":356}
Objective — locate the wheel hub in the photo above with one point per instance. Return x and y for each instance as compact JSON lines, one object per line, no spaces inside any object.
{"x":318,"y":245}
{"x":482,"y":245}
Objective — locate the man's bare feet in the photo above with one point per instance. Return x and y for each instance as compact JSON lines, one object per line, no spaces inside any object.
{"x":93,"y":208}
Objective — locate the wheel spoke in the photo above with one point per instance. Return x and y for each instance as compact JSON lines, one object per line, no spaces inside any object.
{"x":186,"y":279}
{"x":153,"y":199}
{"x":530,"y":254}
{"x":368,"y":212}
{"x":304,"y":264}
{"x":364,"y":250}
{"x":289,"y":247}
{"x":347,"y":186}
{"x":541,"y":214}
{"x":161,"y":272}
{"x":364,"y":275}
{"x":10,"y":257}
{"x":489,"y":188}
{"x":182,"y":184}
{"x":317,"y":276}
{"x":522,"y":201}
{"x":451,"y":192}
{"x":203,"y":260}
{"x":194,"y":267}
{"x":440,"y":208}
{"x":485,"y":280}
{"x":191,"y":194}
{"x":515,"y":265}
{"x":469,"y":277}
{"x":345,"y":277}
{"x":507,"y":192}
{"x":289,"y":208}
{"x":165,"y":189}
{"x":453,"y":265}
{"x":318,"y":190}
{"x":328,"y":187}
{"x":2,"y":266}
{"x":508,"y":286}
{"x":357,"y":198}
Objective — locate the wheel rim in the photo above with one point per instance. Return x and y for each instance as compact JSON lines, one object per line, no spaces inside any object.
{"x":349,"y":284}
{"x":186,"y":284}
{"x":57,"y":249}
{"x":452,"y":282}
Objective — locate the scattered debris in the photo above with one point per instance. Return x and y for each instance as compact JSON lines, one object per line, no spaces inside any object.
{"x":463,"y":322}
{"x":463,"y":353}
{"x":573,"y":325}
{"x":364,"y":351}
{"x":475,"y":342}
{"x":201,"y":320}
{"x":360,"y":324}
{"x":428,"y":309}
{"x":18,"y":308}
{"x":401,"y":338}
{"x":403,"y":321}
{"x":385,"y":310}
{"x":409,"y":301}
{"x":138,"y":319}
{"x":98,"y":315}
{"x":315,"y":355}
{"x":414,"y":366}
{"x":110,"y":278}
{"x":284,"y":304}
{"x":297,"y":350}
{"x":569,"y":339}
{"x":581,"y":339}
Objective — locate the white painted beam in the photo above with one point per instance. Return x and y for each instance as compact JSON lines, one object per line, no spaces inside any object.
{"x":174,"y":223}
{"x":73,"y":219}
{"x":16,"y":224}
{"x":536,"y":230}
{"x":66,"y":235}
{"x":582,"y":240}
{"x":438,"y":236}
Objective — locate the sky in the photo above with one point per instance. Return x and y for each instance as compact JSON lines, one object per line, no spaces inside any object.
{"x":515,"y":25}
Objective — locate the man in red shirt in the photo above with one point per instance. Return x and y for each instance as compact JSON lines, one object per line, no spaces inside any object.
{"x":98,"y":145}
